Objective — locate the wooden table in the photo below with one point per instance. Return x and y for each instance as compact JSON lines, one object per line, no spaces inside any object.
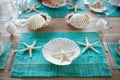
{"x":59,"y":24}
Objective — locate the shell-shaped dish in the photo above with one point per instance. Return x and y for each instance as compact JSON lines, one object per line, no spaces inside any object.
{"x":97,"y":4}
{"x":77,"y":20}
{"x":38,"y":21}
{"x":98,"y":7}
{"x":55,"y":3}
{"x":57,"y":6}
{"x":54,"y":46}
{"x":98,"y":10}
{"x":1,"y":48}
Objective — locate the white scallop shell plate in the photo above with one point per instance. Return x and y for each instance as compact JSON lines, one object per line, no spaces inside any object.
{"x":54,"y":46}
{"x":50,"y":6}
{"x":98,"y":10}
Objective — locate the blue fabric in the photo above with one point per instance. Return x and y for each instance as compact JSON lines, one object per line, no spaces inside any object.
{"x":89,"y":64}
{"x":53,"y":12}
{"x":116,"y":57}
{"x":4,"y":56}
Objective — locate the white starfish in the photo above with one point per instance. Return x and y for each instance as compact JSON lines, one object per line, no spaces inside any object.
{"x":75,"y":7}
{"x":34,"y":8}
{"x":30,"y":48}
{"x":63,"y":55}
{"x":88,"y":45}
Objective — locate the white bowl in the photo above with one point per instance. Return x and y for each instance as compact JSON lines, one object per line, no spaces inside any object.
{"x":54,"y":47}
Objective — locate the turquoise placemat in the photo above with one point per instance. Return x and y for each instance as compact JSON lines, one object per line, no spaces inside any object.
{"x":89,"y":64}
{"x":116,"y":57}
{"x":4,"y":56}
{"x":53,"y":12}
{"x":113,"y":12}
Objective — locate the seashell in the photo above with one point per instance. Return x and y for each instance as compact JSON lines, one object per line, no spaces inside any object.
{"x":56,"y":47}
{"x":1,"y":48}
{"x":38,"y":21}
{"x":97,"y":4}
{"x":77,"y":20}
{"x":10,"y":27}
{"x":54,"y":3}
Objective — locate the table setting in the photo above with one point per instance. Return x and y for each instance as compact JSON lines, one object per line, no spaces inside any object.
{"x":113,"y":47}
{"x":56,"y":12}
{"x":41,"y":61}
{"x":102,"y":6}
{"x":61,"y":39}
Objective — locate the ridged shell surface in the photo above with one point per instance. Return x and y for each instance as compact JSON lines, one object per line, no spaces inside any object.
{"x":35,"y":22}
{"x":54,"y":47}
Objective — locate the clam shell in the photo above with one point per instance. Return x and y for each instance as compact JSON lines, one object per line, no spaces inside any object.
{"x":54,"y":46}
{"x":79,"y":21}
{"x":38,"y":21}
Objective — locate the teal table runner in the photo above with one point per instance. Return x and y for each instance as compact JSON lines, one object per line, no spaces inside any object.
{"x":89,"y":64}
{"x":4,"y":56}
{"x":53,"y":12}
{"x":116,"y":57}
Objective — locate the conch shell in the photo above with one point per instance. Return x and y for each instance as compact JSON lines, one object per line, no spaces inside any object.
{"x":38,"y":21}
{"x":97,"y":4}
{"x":77,"y":20}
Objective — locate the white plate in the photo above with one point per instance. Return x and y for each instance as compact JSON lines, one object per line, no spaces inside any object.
{"x":98,"y":10}
{"x":53,"y":6}
{"x":54,"y":47}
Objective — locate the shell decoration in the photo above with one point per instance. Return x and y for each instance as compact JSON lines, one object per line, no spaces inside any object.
{"x":97,"y":4}
{"x":55,"y":3}
{"x":77,"y":20}
{"x":61,"y":51}
{"x":38,"y":21}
